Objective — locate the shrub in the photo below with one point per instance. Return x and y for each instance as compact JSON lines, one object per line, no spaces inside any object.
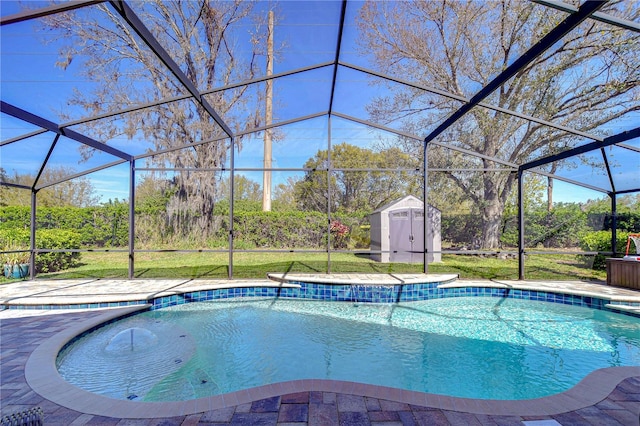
{"x":278,"y":229}
{"x":629,"y":222}
{"x":97,"y":226}
{"x":52,"y":239}
{"x":340,"y":233}
{"x":57,"y":240}
{"x":600,"y":241}
{"x":360,"y":237}
{"x":461,"y":228}
{"x":11,"y":242}
{"x":558,"y":228}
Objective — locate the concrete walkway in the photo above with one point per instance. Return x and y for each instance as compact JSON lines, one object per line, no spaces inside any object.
{"x":24,"y":331}
{"x":63,"y":293}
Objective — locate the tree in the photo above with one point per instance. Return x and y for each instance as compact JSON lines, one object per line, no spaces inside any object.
{"x":200,"y":37}
{"x":356,"y":189}
{"x":284,"y":195}
{"x":533,"y":188}
{"x":4,"y":190}
{"x":78,"y":192}
{"x":153,"y":194}
{"x":590,"y":78}
{"x":625,"y":204}
{"x":245,"y":189}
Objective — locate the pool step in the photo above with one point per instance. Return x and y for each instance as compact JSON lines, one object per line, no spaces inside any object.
{"x":625,"y":308}
{"x":362,"y":279}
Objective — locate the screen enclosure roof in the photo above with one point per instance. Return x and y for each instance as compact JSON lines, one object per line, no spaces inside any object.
{"x":77,"y":77}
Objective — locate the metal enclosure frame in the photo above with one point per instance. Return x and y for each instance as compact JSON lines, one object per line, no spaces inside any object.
{"x":588,"y":10}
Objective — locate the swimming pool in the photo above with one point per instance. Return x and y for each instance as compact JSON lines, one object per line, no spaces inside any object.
{"x":475,"y":347}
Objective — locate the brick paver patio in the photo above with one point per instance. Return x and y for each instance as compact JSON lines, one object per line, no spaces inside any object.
{"x":22,"y":332}
{"x":20,"y":336}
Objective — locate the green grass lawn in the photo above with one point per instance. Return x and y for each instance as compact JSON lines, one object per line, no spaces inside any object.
{"x":257,"y":265}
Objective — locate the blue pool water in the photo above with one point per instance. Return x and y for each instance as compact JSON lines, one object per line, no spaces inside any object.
{"x":476,"y":347}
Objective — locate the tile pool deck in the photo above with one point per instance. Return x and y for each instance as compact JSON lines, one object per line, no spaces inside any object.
{"x":30,"y":338}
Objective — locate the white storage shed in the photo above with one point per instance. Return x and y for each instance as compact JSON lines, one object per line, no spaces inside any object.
{"x":398,"y":230}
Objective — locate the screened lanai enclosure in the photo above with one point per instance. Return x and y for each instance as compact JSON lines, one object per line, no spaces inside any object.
{"x":229,"y":138}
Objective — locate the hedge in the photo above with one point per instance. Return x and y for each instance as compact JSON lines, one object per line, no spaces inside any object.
{"x":292,"y":230}
{"x":96,"y":226}
{"x":52,"y":239}
{"x":108,"y":226}
{"x":600,"y":241}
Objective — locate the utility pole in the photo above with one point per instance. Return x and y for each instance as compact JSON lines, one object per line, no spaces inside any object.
{"x":266,"y":177}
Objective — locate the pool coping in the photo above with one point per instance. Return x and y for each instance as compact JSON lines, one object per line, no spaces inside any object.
{"x":110,"y":293}
{"x":73,"y":295}
{"x":362,"y":279}
{"x":43,"y":377}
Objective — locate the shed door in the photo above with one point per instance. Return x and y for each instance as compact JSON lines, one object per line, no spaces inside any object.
{"x":400,"y":235}
{"x":406,"y":235}
{"x":417,"y":232}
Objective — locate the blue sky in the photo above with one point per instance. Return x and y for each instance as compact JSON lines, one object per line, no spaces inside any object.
{"x":31,"y":81}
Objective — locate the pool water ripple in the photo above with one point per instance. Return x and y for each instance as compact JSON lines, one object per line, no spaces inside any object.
{"x":474,"y":347}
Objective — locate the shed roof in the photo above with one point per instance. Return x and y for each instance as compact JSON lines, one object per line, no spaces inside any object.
{"x":398,"y":203}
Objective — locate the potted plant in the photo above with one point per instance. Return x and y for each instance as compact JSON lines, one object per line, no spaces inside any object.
{"x":16,"y":263}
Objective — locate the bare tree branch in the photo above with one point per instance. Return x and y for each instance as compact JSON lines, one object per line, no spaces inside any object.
{"x":588,"y":79}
